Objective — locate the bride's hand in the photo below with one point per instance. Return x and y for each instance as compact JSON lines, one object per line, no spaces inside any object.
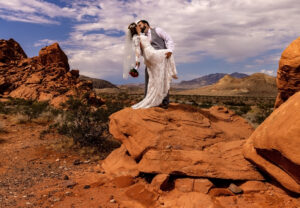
{"x":138,"y":30}
{"x":174,"y":77}
{"x":168,"y":54}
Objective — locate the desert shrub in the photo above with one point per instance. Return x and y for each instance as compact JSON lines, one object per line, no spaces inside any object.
{"x":265,"y":110}
{"x":87,"y":127}
{"x":20,"y":118}
{"x":35,"y":109}
{"x":205,"y":105}
{"x":31,"y":109}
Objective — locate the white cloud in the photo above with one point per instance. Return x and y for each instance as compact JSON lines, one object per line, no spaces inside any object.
{"x":33,"y":11}
{"x":232,"y":30}
{"x":44,"y":42}
{"x":269,"y":72}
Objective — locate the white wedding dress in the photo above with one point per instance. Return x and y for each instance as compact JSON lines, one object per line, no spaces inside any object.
{"x":160,"y":70}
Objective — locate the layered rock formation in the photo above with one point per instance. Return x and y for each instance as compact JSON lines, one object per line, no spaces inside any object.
{"x":181,"y":141}
{"x":288,"y":74}
{"x":190,"y":157}
{"x":274,"y":146}
{"x":45,"y":77}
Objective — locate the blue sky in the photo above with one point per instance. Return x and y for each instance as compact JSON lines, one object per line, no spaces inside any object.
{"x":210,"y":36}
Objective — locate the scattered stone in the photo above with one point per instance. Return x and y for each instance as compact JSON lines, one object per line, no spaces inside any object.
{"x":253,"y":186}
{"x":235,"y":189}
{"x":66,"y":177}
{"x":87,"y":187}
{"x":77,"y":162}
{"x":216,"y":192}
{"x":70,"y":184}
{"x":112,"y":201}
{"x":202,"y":185}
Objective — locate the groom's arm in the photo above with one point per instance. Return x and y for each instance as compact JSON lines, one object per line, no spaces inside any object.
{"x":167,"y":38}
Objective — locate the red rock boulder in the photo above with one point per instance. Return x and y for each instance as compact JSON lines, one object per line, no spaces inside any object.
{"x":288,"y":74}
{"x":275,"y":145}
{"x":184,"y":140}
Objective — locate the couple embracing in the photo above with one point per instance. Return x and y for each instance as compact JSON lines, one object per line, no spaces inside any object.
{"x":156,"y":47}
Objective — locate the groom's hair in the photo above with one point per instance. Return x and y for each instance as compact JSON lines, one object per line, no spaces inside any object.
{"x":145,"y":22}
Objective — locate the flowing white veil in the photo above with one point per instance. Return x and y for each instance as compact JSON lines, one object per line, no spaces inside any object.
{"x":129,"y":55}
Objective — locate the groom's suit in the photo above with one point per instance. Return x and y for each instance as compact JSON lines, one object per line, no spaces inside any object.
{"x":159,"y":40}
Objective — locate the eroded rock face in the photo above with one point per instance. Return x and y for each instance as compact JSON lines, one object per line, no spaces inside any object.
{"x":288,"y":74}
{"x":45,"y":77}
{"x":11,"y":51}
{"x":274,"y":146}
{"x":184,"y":140}
{"x":53,"y":56}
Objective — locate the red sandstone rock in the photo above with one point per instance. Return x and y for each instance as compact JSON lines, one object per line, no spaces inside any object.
{"x":184,"y":140}
{"x":11,"y":51}
{"x":25,"y":92}
{"x":288,"y":74}
{"x":274,"y":146}
{"x":142,"y":195}
{"x":184,"y":184}
{"x":188,"y":200}
{"x":202,"y":185}
{"x":53,"y":56}
{"x":118,"y":163}
{"x":160,"y":182}
{"x":253,"y":186}
{"x":123,"y":181}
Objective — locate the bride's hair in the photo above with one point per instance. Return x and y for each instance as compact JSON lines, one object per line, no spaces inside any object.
{"x":132,"y":28}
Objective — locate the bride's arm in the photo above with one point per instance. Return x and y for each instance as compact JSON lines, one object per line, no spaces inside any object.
{"x":137,"y":49}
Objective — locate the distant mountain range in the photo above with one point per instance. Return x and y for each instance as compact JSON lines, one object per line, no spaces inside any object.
{"x":258,"y":85}
{"x":206,"y":80}
{"x":98,"y":83}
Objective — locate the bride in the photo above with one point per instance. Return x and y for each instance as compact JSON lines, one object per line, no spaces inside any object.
{"x":161,"y":70}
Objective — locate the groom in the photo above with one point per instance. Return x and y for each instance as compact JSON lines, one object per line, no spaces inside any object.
{"x":159,"y":40}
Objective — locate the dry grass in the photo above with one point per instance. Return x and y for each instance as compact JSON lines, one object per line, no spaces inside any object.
{"x":20,"y":119}
{"x":44,"y":118}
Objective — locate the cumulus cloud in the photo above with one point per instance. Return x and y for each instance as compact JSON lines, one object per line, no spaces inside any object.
{"x":232,"y":30}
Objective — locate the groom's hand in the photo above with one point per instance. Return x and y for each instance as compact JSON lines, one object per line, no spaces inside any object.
{"x":168,"y":55}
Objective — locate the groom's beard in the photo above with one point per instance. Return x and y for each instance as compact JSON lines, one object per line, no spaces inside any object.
{"x":143,"y":29}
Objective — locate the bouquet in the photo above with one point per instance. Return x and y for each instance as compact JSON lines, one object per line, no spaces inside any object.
{"x":133,"y":72}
